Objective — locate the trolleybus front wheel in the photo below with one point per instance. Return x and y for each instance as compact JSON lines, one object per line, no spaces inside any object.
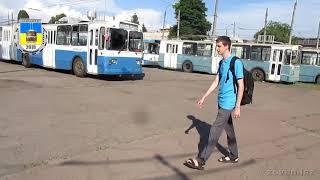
{"x":318,"y":80}
{"x":79,"y":68}
{"x":258,"y":75}
{"x":187,"y":67}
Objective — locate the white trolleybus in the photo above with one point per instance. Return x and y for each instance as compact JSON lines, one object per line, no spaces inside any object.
{"x":98,"y":47}
{"x":8,"y":47}
{"x":189,"y":56}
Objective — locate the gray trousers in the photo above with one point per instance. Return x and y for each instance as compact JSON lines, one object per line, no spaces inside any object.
{"x":223,"y":121}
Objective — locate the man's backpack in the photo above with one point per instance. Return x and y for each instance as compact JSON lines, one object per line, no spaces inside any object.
{"x":247,"y":80}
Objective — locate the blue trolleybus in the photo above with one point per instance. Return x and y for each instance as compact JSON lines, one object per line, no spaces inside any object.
{"x":270,"y":62}
{"x":310,"y":65}
{"x":189,"y":56}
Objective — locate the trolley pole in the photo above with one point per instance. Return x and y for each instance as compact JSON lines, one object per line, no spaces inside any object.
{"x":265,"y":27}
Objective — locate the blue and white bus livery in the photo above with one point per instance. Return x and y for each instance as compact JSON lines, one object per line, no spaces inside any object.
{"x":310,"y":65}
{"x":189,"y":56}
{"x":270,"y":62}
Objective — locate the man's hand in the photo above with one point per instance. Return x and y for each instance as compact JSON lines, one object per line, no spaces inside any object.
{"x":200,"y":102}
{"x":236,"y":112}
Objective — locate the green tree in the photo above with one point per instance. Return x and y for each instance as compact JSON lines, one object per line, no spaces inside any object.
{"x":280,"y":31}
{"x":193,"y":22}
{"x":144,"y":29}
{"x":135,"y":19}
{"x":23,"y":14}
{"x":56,"y":18}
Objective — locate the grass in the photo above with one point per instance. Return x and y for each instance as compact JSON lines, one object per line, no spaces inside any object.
{"x":307,"y":85}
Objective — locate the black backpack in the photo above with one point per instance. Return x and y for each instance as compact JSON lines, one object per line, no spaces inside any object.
{"x":247,"y":80}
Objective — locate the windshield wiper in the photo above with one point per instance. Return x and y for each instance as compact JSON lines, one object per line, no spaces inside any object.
{"x":122,"y":48}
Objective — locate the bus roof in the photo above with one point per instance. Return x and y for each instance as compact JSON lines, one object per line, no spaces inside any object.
{"x":190,"y":41}
{"x":261,"y":44}
{"x":310,"y":49}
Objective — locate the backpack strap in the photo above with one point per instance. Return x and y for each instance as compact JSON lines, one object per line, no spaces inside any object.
{"x":232,"y":69}
{"x":220,"y":63}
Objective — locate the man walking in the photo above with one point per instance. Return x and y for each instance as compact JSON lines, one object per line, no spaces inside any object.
{"x":229,"y":100}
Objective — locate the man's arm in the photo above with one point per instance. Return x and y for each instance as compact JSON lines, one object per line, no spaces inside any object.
{"x":240,"y":92}
{"x":209,"y":91}
{"x":236,"y":111}
{"x":239,"y":76}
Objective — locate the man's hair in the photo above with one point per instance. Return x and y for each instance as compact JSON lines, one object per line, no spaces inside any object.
{"x":225,"y":40}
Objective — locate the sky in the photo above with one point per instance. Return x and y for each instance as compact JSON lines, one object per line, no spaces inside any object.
{"x":247,"y":15}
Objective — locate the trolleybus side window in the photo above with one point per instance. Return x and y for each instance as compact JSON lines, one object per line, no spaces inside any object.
{"x":318,"y":60}
{"x":275,"y":55}
{"x":101,"y":38}
{"x":49,"y":37}
{"x":151,"y":48}
{"x":54,"y":37}
{"x":135,"y":41}
{"x":287,"y":57}
{"x":171,"y":48}
{"x":75,"y":35}
{"x":295,"y":57}
{"x":91,"y":37}
{"x":168,"y":47}
{"x":291,"y":57}
{"x":189,"y":48}
{"x":83,"y":34}
{"x":64,"y":35}
{"x":242,"y":52}
{"x":308,"y":58}
{"x":107,"y":39}
{"x":204,"y":50}
{"x":260,"y":53}
{"x":96,"y":37}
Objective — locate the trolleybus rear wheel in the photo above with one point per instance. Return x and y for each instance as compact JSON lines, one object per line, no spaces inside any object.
{"x":258,"y":75}
{"x":318,"y":80}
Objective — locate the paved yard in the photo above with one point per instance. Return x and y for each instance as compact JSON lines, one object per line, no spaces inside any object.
{"x":56,"y":126}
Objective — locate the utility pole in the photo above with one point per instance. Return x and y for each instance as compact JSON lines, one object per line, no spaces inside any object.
{"x":234,"y":29}
{"x":265,"y":27}
{"x":105,"y":9}
{"x":318,"y":36}
{"x":292,"y":20}
{"x":178,"y":30}
{"x":214,"y":19}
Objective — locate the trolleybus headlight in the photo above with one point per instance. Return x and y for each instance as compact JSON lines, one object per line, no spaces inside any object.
{"x":112,"y":61}
{"x":138,"y":61}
